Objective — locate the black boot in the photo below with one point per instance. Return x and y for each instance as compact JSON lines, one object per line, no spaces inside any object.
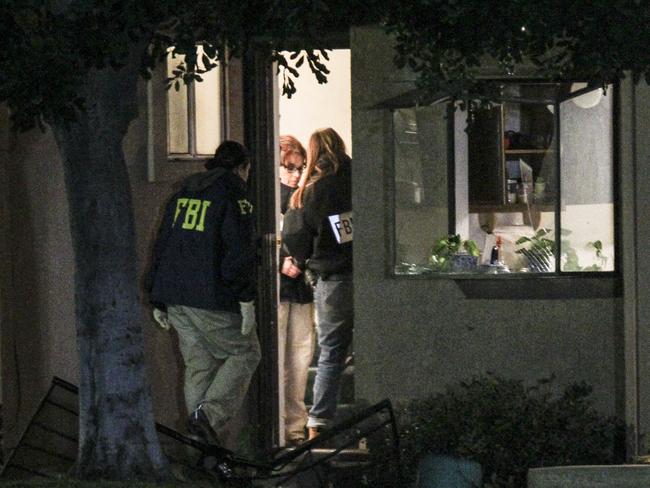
{"x":199,"y":425}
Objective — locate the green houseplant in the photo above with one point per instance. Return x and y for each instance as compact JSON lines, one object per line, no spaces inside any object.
{"x":445,"y":249}
{"x":539,"y":251}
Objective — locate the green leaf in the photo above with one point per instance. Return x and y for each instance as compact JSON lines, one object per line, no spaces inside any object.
{"x":503,"y":424}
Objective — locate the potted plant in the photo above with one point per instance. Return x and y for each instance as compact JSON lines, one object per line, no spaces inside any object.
{"x":539,"y":251}
{"x":451,"y":253}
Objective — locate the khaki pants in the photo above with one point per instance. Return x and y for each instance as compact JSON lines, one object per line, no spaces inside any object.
{"x":219,"y":360}
{"x":295,"y":353}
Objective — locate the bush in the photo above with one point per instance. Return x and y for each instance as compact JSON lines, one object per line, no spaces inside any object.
{"x":505,"y":426}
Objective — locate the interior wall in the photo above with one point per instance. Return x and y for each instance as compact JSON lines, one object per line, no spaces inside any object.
{"x":315,"y":106}
{"x":414,"y":336}
{"x":586,"y":156}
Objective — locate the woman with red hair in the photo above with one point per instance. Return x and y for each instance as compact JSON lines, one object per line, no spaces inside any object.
{"x":295,"y":310}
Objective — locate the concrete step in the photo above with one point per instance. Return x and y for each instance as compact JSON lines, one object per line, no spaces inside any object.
{"x":345,"y":457}
{"x":344,"y":469}
{"x":343,"y":412}
{"x":614,"y":476}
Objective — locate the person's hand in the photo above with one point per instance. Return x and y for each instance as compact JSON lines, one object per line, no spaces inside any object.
{"x":248,"y":317}
{"x":161,"y":318}
{"x":289,"y":268}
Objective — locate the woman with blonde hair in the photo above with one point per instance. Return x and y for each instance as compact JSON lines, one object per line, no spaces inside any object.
{"x":317,"y":234}
{"x":295,"y":310}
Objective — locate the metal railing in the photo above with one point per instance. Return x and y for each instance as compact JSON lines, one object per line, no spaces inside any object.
{"x":52,"y":435}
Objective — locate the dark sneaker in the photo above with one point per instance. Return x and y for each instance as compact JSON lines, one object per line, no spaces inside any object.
{"x":295,"y":441}
{"x":199,"y":425}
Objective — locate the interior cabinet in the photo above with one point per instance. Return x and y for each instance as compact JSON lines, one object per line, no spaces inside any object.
{"x":512,"y":146}
{"x":486,"y":161}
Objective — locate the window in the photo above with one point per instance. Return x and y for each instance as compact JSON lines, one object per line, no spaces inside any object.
{"x":524,"y":185}
{"x":194,"y":113}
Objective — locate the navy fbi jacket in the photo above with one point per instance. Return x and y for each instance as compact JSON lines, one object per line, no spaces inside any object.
{"x":319,"y":235}
{"x":204,"y":255}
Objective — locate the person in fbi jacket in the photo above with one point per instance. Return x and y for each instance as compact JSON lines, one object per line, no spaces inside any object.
{"x":202,"y":283}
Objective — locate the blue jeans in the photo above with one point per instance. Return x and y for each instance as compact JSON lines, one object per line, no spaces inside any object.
{"x":334,"y":320}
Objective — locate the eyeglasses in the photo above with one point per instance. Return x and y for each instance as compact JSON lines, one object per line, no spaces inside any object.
{"x":293,"y":169}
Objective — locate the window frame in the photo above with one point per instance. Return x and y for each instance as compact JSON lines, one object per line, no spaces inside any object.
{"x":222,"y":93}
{"x":481,"y":285}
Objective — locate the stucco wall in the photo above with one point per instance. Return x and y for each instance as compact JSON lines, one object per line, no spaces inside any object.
{"x":635,"y":144}
{"x":5,"y":263}
{"x":414,"y":336}
{"x":39,"y":338}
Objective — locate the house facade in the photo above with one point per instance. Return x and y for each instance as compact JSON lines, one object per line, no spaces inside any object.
{"x":415,"y":332}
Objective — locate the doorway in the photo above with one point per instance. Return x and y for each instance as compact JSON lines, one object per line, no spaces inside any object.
{"x":312,"y":107}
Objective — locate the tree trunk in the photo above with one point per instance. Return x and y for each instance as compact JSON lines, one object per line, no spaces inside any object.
{"x":117,"y":437}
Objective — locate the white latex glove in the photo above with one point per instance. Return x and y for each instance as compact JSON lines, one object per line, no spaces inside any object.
{"x":162,"y":318}
{"x":248,"y":317}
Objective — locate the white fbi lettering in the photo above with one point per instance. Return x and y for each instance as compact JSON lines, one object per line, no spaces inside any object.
{"x":342,"y":227}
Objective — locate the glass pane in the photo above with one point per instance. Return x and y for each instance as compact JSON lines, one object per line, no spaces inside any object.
{"x":421,"y":210}
{"x":208,"y":111}
{"x":587,"y":181}
{"x":177,"y":118}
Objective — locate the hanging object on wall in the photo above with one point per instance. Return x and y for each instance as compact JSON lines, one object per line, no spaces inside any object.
{"x":589,"y":99}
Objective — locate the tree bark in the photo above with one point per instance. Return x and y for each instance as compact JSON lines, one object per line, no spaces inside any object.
{"x":117,"y":436}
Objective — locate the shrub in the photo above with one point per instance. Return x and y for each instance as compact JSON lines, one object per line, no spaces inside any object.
{"x":505,"y":426}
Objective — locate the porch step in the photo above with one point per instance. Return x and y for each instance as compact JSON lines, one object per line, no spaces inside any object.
{"x":345,"y":470}
{"x":614,"y":476}
{"x":343,"y":458}
{"x":343,"y":412}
